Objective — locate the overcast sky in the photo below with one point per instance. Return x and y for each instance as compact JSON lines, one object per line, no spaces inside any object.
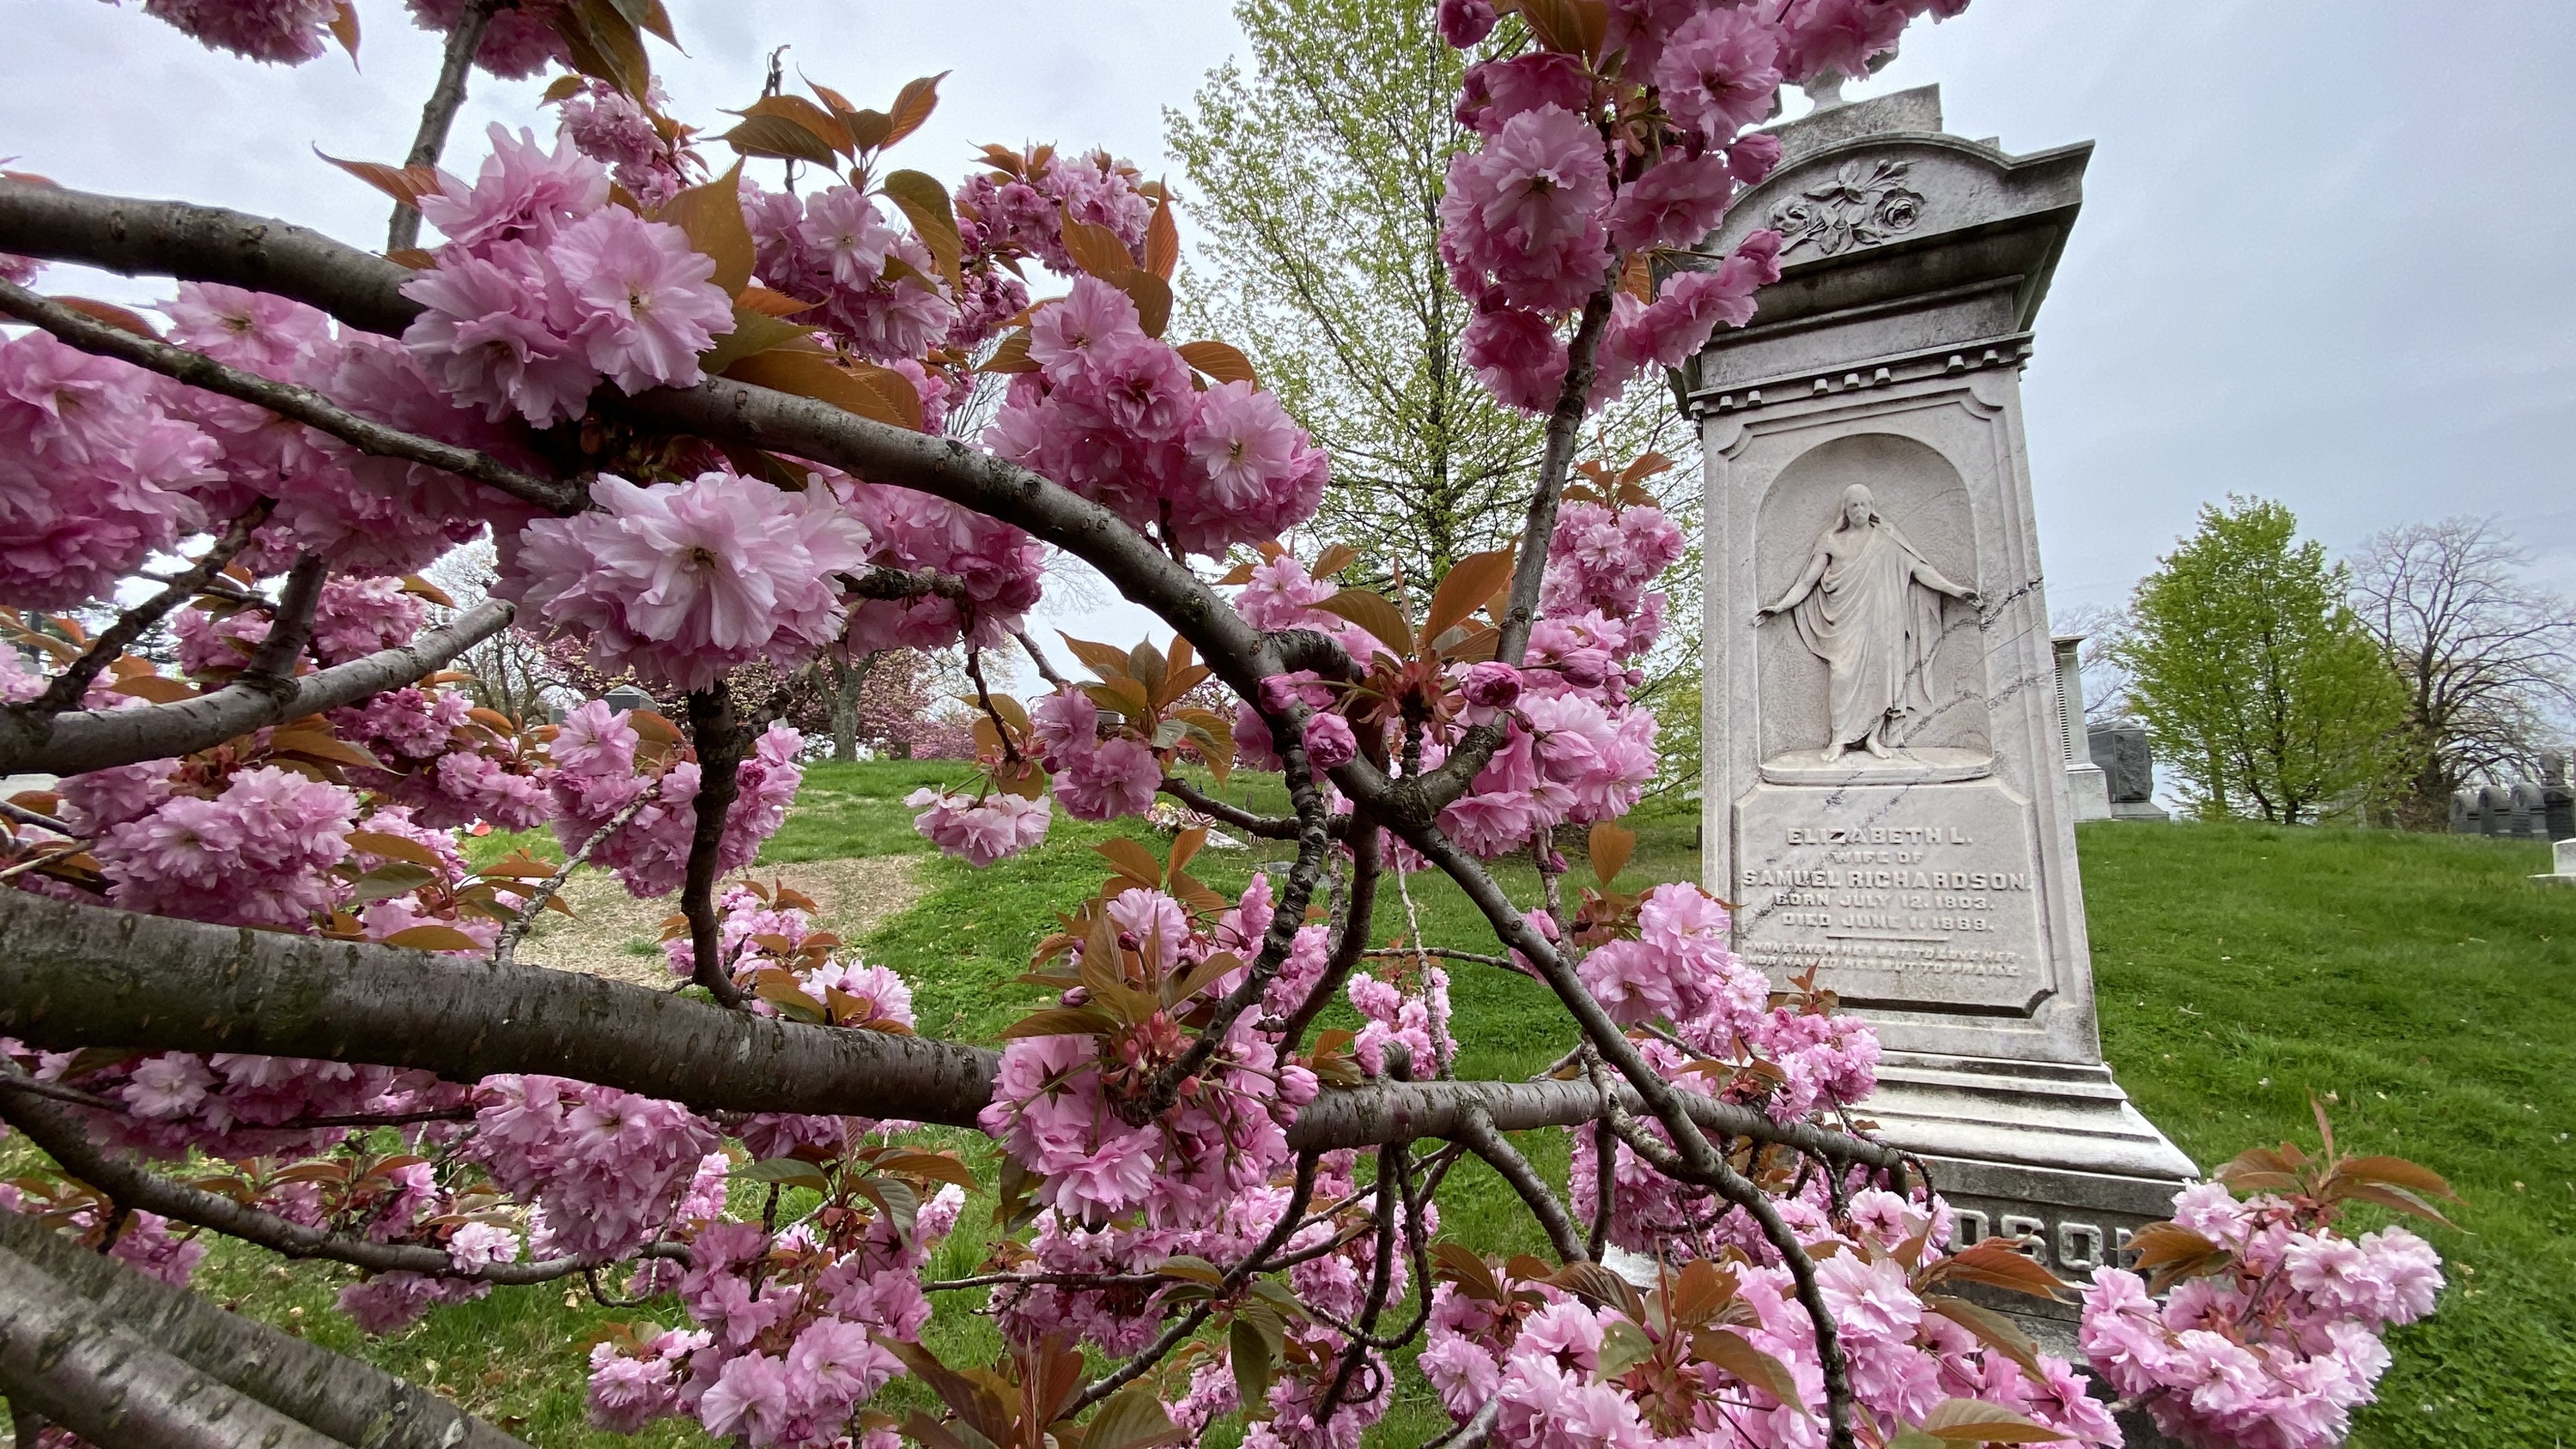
{"x":2321,"y":257}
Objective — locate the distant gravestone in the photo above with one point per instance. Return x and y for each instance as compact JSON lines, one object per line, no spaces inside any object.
{"x":627,"y":696}
{"x":2464,"y":812}
{"x":1886,"y":780}
{"x":2558,"y":799}
{"x":2129,"y":768}
{"x":2495,"y":808}
{"x":2529,"y":812}
{"x":2085,"y":784}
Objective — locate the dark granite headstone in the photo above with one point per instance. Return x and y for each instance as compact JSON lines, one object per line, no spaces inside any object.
{"x":2121,"y":751}
{"x":2558,"y":799}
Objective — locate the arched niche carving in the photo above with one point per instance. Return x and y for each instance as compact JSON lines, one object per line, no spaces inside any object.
{"x":1922,"y":496}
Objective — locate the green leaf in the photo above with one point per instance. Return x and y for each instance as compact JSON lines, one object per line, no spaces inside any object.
{"x":1251,"y":1354}
{"x":1132,"y":1419}
{"x":1063,"y":1021}
{"x":784,"y":1171}
{"x":1623,"y":1346}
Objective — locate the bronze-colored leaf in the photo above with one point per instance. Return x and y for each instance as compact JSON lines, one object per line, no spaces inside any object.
{"x":1611,"y":846}
{"x":433,"y":938}
{"x":1105,"y":660}
{"x":1096,"y":249}
{"x":912,"y":106}
{"x":778,"y":137}
{"x":1372,"y":612}
{"x":344,"y":27}
{"x":1736,"y":1354}
{"x":1973,"y":1421}
{"x":925,"y":202}
{"x":712,"y":216}
{"x":1011,"y":356}
{"x":817,"y":122}
{"x":1063,"y":1021}
{"x":1219,"y":362}
{"x":1469,"y":583}
{"x":753,"y":332}
{"x":809,"y":374}
{"x":1162,"y":242}
{"x":406,"y":184}
{"x":1993,"y":1329}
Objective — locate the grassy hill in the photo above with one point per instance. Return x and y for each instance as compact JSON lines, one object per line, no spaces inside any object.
{"x":2419,"y":984}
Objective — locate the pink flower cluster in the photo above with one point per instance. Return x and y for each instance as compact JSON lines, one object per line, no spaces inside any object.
{"x":611,"y":129}
{"x":1539,"y":219}
{"x":96,"y":474}
{"x":368,"y":515}
{"x":1094,"y":778}
{"x":1413,"y":1014}
{"x":599,"y":772}
{"x":518,"y":41}
{"x":604,"y":1169}
{"x":879,"y":288}
{"x":2277,"y":1348}
{"x":999,"y":567}
{"x":1541,"y":1351}
{"x":1067,"y":1106}
{"x":1112,"y":414}
{"x":786,"y":1347}
{"x":979,"y":829}
{"x":684,"y":583}
{"x":1022,"y":210}
{"x":284,"y":32}
{"x":255,"y":854}
{"x":544,"y":288}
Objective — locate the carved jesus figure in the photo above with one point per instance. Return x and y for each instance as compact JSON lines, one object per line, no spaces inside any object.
{"x":1870,"y":607}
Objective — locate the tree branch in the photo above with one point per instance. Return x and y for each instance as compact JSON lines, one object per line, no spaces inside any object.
{"x":1477,"y":1131}
{"x":68,"y":687}
{"x":348,"y":1401}
{"x":63,"y":1359}
{"x":718,"y":738}
{"x":445,"y":98}
{"x":285,"y":399}
{"x":82,"y":740}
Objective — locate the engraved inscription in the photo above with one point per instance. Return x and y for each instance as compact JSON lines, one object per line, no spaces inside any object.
{"x":2071,"y":1246}
{"x":1906,"y":895}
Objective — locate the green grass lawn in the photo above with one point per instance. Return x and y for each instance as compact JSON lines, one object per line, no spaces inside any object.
{"x":2419,"y":980}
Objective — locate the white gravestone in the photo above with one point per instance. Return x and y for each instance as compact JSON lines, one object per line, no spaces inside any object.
{"x":2086,"y":785}
{"x":1887,"y":795}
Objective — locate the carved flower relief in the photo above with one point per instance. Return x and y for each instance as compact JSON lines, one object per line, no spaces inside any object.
{"x":1866,"y":203}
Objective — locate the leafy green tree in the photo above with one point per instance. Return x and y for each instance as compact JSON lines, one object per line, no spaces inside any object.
{"x":2253,"y":675}
{"x":1317,"y":179}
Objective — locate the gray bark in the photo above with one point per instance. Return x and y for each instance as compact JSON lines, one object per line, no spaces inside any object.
{"x":62,"y":1358}
{"x":78,"y":740}
{"x":339,"y":1397}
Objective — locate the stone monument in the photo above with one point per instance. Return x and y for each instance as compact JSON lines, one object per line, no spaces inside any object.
{"x":1886,"y":790}
{"x":2128,"y":769}
{"x":2086,"y":784}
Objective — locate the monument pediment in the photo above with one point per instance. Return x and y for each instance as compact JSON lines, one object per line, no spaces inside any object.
{"x":1880,"y":211}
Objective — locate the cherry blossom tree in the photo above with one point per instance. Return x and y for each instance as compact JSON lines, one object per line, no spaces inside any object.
{"x":256,"y":989}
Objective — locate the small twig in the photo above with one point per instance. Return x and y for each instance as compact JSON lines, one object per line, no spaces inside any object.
{"x":67,"y":687}
{"x":445,"y":99}
{"x":1037,"y":656}
{"x":1415,"y":953}
{"x":505,"y":950}
{"x":984,"y":698}
{"x":39,"y":862}
{"x":1477,"y":1131}
{"x":36,"y":818}
{"x":302,"y":404}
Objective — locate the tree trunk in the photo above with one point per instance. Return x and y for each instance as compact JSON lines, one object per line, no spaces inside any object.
{"x":847,"y":680}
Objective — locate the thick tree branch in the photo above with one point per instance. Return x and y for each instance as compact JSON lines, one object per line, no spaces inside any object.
{"x":1477,"y":1131}
{"x":87,"y":976}
{"x":285,"y":399}
{"x":86,"y":1372}
{"x":68,"y":744}
{"x":271,"y":667}
{"x":348,"y":1401}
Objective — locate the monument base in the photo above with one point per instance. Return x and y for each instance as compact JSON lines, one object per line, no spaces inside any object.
{"x":2032,"y":1149}
{"x":2138,"y":810}
{"x":2089,"y":789}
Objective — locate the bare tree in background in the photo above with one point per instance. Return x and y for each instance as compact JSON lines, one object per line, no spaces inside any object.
{"x":2489,"y":660}
{"x":2106,"y":680}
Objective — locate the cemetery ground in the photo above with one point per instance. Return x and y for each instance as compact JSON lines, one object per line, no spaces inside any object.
{"x":2418,"y":986}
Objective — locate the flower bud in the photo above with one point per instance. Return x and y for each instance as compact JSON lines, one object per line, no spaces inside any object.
{"x":1493,"y":685}
{"x":1584,"y":668}
{"x":1329,"y":741}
